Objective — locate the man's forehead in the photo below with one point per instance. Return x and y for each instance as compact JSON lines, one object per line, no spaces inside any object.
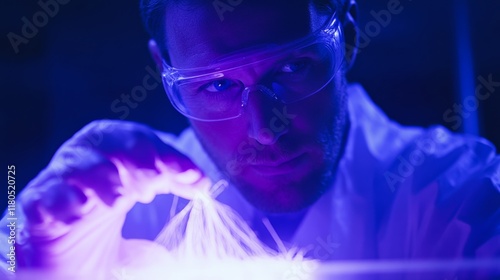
{"x":196,"y":35}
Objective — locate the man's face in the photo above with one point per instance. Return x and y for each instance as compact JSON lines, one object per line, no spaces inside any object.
{"x":282,"y":158}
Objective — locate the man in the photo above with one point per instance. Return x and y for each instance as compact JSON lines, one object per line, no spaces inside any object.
{"x":263,"y":85}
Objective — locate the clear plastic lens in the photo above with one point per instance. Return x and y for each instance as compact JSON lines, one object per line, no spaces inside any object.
{"x":292,"y":77}
{"x":213,"y":99}
{"x":289,"y":74}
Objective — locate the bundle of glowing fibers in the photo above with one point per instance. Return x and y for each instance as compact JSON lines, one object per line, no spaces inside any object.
{"x":209,"y":240}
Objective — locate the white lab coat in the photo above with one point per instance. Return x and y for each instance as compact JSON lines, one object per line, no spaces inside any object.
{"x":399,"y":192}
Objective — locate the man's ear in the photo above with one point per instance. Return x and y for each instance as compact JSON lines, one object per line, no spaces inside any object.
{"x":155,"y":52}
{"x":351,"y":32}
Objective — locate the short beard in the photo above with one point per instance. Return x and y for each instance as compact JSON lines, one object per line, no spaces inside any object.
{"x":333,"y":140}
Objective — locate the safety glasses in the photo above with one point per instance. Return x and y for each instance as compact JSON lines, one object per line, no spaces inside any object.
{"x":286,"y":73}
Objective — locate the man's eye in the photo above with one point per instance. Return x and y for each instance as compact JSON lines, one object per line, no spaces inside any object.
{"x":219,"y":85}
{"x":294,"y":67}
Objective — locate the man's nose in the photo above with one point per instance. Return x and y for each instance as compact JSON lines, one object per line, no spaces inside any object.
{"x":262,"y":109}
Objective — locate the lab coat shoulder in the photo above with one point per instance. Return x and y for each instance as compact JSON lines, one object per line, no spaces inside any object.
{"x":446,"y":190}
{"x":436,"y":193}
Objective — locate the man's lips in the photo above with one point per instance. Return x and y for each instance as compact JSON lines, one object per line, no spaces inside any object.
{"x":280,"y":166}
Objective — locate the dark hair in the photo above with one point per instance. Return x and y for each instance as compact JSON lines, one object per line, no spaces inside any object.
{"x":153,"y":16}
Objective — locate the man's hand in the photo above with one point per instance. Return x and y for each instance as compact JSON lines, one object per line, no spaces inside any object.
{"x":75,"y":208}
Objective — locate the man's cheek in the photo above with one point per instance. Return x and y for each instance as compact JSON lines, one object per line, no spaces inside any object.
{"x":326,"y":108}
{"x":312,"y":116}
{"x":230,"y":148}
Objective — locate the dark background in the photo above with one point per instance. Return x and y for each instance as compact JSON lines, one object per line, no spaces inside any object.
{"x":91,"y":52}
